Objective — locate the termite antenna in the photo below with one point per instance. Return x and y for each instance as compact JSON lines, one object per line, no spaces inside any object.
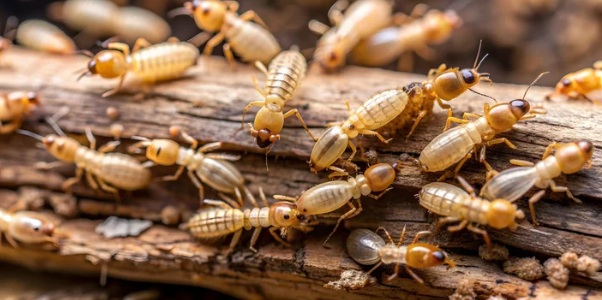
{"x":82,"y":75}
{"x":52,"y":121}
{"x":481,"y":94}
{"x":139,"y":138}
{"x":184,"y":10}
{"x":30,"y":134}
{"x":85,"y":53}
{"x":533,"y":83}
{"x":478,"y":54}
{"x":481,"y":61}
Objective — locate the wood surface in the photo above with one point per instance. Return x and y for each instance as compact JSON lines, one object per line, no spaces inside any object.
{"x":208,"y":104}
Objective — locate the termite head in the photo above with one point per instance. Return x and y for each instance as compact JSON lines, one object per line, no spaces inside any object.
{"x":573,"y":156}
{"x":27,"y":100}
{"x":331,"y":51}
{"x":502,"y":117}
{"x":439,"y":25}
{"x":162,"y":151}
{"x":423,"y":255}
{"x":31,"y":227}
{"x":380,"y":177}
{"x":580,"y":82}
{"x":267,"y":126}
{"x":108,"y":64}
{"x":61,"y":147}
{"x":502,"y":213}
{"x":286,"y":214}
{"x":208,"y":15}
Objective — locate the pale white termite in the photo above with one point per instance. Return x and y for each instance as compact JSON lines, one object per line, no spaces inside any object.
{"x":368,"y":248}
{"x":251,"y":41}
{"x":467,"y":208}
{"x":513,"y":183}
{"x":283,"y":76}
{"x":457,"y":145}
{"x":14,"y":107}
{"x":226,"y":219}
{"x":376,"y":112}
{"x":152,"y":63}
{"x":43,"y":36}
{"x":26,"y":227}
{"x":214,"y":169}
{"x":332,"y":195}
{"x":132,"y":23}
{"x":361,"y":19}
{"x":91,"y":17}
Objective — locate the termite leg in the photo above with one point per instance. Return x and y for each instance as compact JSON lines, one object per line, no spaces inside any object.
{"x":254,"y":238}
{"x":454,"y":173}
{"x":395,"y":272}
{"x":264,"y":200}
{"x":66,"y":186}
{"x":285,"y":198}
{"x":108,"y":147}
{"x":141,"y":43}
{"x":189,"y":139}
{"x":174,"y":176}
{"x":378,"y":135}
{"x":90,"y":179}
{"x":244,"y":112}
{"x":401,"y":236}
{"x":458,"y":227}
{"x":214,"y":41}
{"x":259,"y":65}
{"x":374,"y":268}
{"x":349,"y":214}
{"x":451,"y":119}
{"x":387,"y":233}
{"x":376,"y":197}
{"x":234,"y":241}
{"x":443,"y":105}
{"x":229,"y":55}
{"x":232,"y":5}
{"x":469,"y":189}
{"x":91,"y":138}
{"x":559,"y":189}
{"x":251,"y":15}
{"x":198,"y":184}
{"x":200,"y":38}
{"x":11,"y":241}
{"x":481,"y":232}
{"x":421,"y":234}
{"x":521,"y":163}
{"x":218,"y":203}
{"x":295,"y":112}
{"x":353,"y":151}
{"x":335,"y":14}
{"x":107,"y":188}
{"x":468,"y":116}
{"x":491,"y":172}
{"x":549,"y":150}
{"x":210,"y":147}
{"x":230,"y":203}
{"x":435,"y":72}
{"x":443,"y":221}
{"x":416,"y":277}
{"x":500,"y":141}
{"x":534,"y":199}
{"x":421,"y":115}
{"x":278,"y":238}
{"x":124,"y":48}
{"x":116,"y":89}
{"x":337,"y":172}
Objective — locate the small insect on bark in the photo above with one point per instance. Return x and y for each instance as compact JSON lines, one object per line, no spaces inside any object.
{"x":513,"y":183}
{"x":377,"y":111}
{"x":457,"y":145}
{"x":26,"y":227}
{"x":361,"y":19}
{"x":43,"y":36}
{"x":332,"y":195}
{"x":467,"y":208}
{"x":368,"y":248}
{"x":251,"y":41}
{"x":109,"y":172}
{"x":14,"y":107}
{"x":227,"y":218}
{"x":583,"y":84}
{"x":214,"y":169}
{"x":283,"y":76}
{"x":148,"y":63}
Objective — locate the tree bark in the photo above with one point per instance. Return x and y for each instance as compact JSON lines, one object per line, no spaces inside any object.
{"x":208,"y":104}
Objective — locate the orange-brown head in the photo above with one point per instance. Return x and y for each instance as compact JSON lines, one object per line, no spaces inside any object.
{"x":286,"y":214}
{"x":162,"y":151}
{"x":30,"y":227}
{"x":380,"y":176}
{"x":423,"y":255}
{"x":440,"y":25}
{"x":573,"y":156}
{"x":25,"y":100}
{"x":502,"y":214}
{"x":208,"y":15}
{"x":578,"y":83}
{"x":267,"y":126}
{"x":61,"y":147}
{"x":108,"y":64}
{"x":503,"y":116}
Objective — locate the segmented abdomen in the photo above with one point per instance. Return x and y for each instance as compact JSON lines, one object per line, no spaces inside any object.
{"x":284,"y":74}
{"x":250,"y":41}
{"x":326,"y":197}
{"x":329,"y":147}
{"x":451,"y":201}
{"x":380,"y":109}
{"x":216,"y":222}
{"x":447,"y":149}
{"x":163,"y":61}
{"x":122,"y":171}
{"x":220,"y":175}
{"x":43,"y":36}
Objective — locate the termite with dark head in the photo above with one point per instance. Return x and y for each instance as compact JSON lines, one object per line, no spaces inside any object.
{"x":586,"y":84}
{"x":26,"y":227}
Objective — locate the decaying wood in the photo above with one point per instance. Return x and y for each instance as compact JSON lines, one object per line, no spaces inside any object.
{"x":208,"y":104}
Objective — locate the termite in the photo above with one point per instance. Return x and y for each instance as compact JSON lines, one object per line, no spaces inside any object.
{"x":332,"y":195}
{"x":361,"y":19}
{"x":214,"y":169}
{"x":109,"y":172}
{"x":93,"y":18}
{"x":283,"y":76}
{"x":226,"y":219}
{"x":149,"y":63}
{"x":373,"y":114}
{"x":14,"y":107}
{"x":43,"y":36}
{"x":467,"y":208}
{"x":251,"y":41}
{"x":586,"y":83}
{"x":442,"y":84}
{"x":26,"y":227}
{"x":457,"y":145}
{"x":133,"y":22}
{"x":368,"y":248}
{"x":513,"y":183}
{"x":386,"y":45}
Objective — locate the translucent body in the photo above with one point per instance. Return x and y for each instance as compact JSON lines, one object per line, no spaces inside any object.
{"x":581,"y":83}
{"x":249,"y":40}
{"x":14,"y":107}
{"x":451,"y":201}
{"x":221,"y":175}
{"x":510,"y":184}
{"x":376,"y":112}
{"x":452,"y":145}
{"x":43,"y":36}
{"x":26,"y":226}
{"x":162,"y":61}
{"x":92,"y":16}
{"x":363,"y":246}
{"x":133,"y":23}
{"x":388,"y":44}
{"x":360,"y":20}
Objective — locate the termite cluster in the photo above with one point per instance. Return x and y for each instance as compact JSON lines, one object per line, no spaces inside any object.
{"x":360,"y":29}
